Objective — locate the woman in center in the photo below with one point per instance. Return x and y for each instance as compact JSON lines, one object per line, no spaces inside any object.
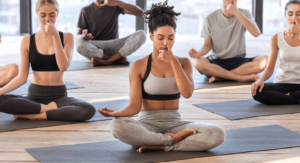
{"x":156,"y":84}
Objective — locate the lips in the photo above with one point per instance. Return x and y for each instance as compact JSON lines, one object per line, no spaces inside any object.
{"x":164,"y":48}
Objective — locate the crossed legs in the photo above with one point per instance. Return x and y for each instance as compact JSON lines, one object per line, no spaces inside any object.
{"x":244,"y":73}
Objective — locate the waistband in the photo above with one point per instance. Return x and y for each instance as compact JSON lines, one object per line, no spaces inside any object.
{"x":39,"y":91}
{"x":159,"y":115}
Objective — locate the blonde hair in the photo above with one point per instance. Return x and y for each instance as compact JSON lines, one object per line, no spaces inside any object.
{"x":53,"y":3}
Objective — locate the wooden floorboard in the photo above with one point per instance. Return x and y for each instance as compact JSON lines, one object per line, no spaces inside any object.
{"x":112,"y":84}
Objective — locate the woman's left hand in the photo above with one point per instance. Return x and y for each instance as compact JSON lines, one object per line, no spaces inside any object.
{"x":49,"y":28}
{"x":107,"y":112}
{"x":166,"y":55}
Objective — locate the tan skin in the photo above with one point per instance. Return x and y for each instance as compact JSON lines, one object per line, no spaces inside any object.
{"x":164,"y":64}
{"x":246,"y":72}
{"x":48,"y":42}
{"x":116,"y":58}
{"x":292,"y":37}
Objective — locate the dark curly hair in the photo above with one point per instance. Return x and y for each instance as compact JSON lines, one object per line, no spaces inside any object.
{"x":160,"y":14}
{"x":291,"y":2}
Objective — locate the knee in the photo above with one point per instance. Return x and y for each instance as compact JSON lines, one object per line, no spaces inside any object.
{"x":117,"y":127}
{"x":199,"y":63}
{"x":219,"y":136}
{"x":87,"y":111}
{"x":141,"y":36}
{"x":263,"y":62}
{"x":12,"y":71}
{"x":80,"y":43}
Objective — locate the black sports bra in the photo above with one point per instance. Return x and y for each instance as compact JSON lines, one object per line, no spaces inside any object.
{"x":156,"y":88}
{"x":41,"y":62}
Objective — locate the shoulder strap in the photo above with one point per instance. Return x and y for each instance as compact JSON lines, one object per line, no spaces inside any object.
{"x":148,"y":68}
{"x":61,"y":34}
{"x":32,"y":43}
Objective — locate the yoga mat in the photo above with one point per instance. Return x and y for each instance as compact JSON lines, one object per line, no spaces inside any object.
{"x":24,"y":88}
{"x":201,"y":82}
{"x":235,"y":110}
{"x":237,"y":141}
{"x":8,"y":123}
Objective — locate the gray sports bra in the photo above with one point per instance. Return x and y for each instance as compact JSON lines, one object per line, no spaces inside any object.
{"x":155,"y":88}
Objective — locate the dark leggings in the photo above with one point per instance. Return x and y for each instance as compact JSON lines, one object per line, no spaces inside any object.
{"x":274,"y":94}
{"x":69,"y":109}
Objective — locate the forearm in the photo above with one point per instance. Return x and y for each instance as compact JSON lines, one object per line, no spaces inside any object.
{"x":128,"y":111}
{"x":204,"y":50}
{"x":135,"y":10}
{"x":251,"y":27}
{"x":14,"y":84}
{"x":61,"y":57}
{"x":267,"y":73}
{"x":185,"y":86}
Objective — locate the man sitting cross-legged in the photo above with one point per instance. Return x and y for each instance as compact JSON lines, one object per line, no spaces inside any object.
{"x":8,"y":72}
{"x":99,"y":32}
{"x":224,"y":34}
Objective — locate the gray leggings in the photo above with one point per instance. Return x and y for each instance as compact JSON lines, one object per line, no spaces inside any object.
{"x":125,"y":46}
{"x":69,"y":109}
{"x":151,"y":126}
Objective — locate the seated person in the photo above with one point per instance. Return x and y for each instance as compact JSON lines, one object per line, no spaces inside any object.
{"x":49,"y":52}
{"x":156,"y":85}
{"x":99,"y":32}
{"x":224,"y":33}
{"x":285,"y":90}
{"x":8,"y":72}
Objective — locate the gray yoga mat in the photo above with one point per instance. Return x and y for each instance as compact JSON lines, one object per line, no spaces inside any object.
{"x":24,"y":88}
{"x":237,"y":141}
{"x":201,"y":82}
{"x":235,"y":110}
{"x":8,"y":123}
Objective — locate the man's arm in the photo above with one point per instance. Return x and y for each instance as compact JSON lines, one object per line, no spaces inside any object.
{"x":128,"y":8}
{"x":0,"y":38}
{"x":249,"y":25}
{"x":204,"y":50}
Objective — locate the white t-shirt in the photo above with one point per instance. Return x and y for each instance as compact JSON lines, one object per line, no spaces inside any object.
{"x":227,"y":35}
{"x":289,"y":62}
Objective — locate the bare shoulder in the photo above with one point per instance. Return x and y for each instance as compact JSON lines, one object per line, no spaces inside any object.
{"x":184,"y":60}
{"x":25,"y":43}
{"x":139,"y":66}
{"x":274,"y":40}
{"x":68,"y":36}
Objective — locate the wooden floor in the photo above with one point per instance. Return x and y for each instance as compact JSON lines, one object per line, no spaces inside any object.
{"x":112,"y":83}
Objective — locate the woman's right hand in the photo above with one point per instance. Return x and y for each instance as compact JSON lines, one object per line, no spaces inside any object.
{"x":258,"y":84}
{"x":107,"y":112}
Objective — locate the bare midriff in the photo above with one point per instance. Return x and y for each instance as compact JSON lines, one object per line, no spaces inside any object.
{"x":149,"y":105}
{"x":49,"y":78}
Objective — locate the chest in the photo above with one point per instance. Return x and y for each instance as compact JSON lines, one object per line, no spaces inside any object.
{"x":45,"y":46}
{"x":162,"y":70}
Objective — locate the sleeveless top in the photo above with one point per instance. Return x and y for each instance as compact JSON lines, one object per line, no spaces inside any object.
{"x":289,"y":62}
{"x":41,"y":62}
{"x":155,"y":88}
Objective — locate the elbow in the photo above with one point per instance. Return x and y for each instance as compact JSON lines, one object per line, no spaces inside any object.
{"x":257,"y":34}
{"x":63,"y":68}
{"x":187,"y":95}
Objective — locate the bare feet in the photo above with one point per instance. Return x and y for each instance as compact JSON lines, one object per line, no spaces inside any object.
{"x":288,"y":93}
{"x":41,"y":116}
{"x":122,"y":61}
{"x":214,"y":79}
{"x":181,"y":135}
{"x":249,"y":78}
{"x":151,"y":148}
{"x":99,"y":62}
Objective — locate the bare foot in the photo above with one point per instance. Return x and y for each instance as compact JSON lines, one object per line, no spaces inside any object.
{"x":181,"y":135}
{"x":122,"y":61}
{"x":52,"y":105}
{"x":288,"y":94}
{"x":151,"y":148}
{"x":249,"y":78}
{"x":31,"y":116}
{"x":214,"y":79}
{"x":99,"y":62}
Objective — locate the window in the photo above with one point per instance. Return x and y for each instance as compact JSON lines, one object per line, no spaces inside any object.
{"x":10,"y":17}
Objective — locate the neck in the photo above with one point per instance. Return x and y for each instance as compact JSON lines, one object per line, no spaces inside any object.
{"x":43,"y":33}
{"x":226,"y":13}
{"x":97,"y":3}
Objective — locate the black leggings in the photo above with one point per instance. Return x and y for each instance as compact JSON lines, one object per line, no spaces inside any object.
{"x":274,"y":94}
{"x":69,"y":109}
